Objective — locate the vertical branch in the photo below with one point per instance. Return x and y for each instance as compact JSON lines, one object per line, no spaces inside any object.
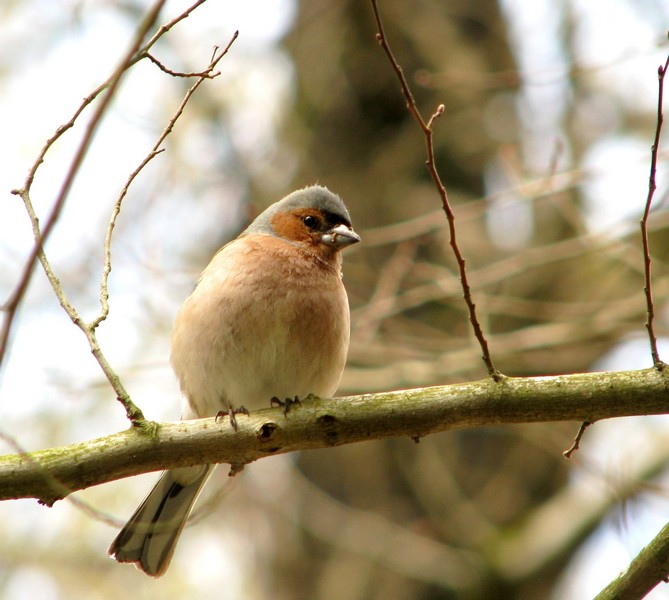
{"x":427,"y":129}
{"x":652,"y":186}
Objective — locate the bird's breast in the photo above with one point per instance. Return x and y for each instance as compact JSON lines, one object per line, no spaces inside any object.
{"x":262,"y":322}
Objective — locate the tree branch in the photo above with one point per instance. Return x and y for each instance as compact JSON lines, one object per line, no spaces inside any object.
{"x":647,"y":570}
{"x":41,"y":235}
{"x":652,"y":186}
{"x":52,"y":474}
{"x":133,"y":55}
{"x":427,"y":129}
{"x":208,"y":73}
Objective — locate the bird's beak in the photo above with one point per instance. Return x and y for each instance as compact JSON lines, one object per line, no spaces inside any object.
{"x":340,"y":236}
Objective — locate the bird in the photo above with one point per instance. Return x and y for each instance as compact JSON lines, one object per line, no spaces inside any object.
{"x":268,"y":319}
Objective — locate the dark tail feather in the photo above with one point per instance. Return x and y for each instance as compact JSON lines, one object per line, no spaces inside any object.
{"x":150,"y":536}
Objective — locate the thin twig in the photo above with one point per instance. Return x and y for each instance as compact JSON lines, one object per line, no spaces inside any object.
{"x":165,"y":69}
{"x":652,"y":186}
{"x":427,"y":128}
{"x":386,"y":292}
{"x":577,"y":440}
{"x":163,"y":29}
{"x":206,"y":74}
{"x":42,"y":234}
{"x":135,"y":53}
{"x":10,"y":306}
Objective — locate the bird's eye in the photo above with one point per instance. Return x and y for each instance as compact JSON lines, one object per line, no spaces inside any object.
{"x":310,"y":221}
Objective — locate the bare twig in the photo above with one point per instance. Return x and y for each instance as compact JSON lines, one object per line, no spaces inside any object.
{"x":651,"y":565}
{"x":652,"y":186}
{"x":132,"y":412}
{"x":206,"y":74}
{"x":41,"y":235}
{"x":427,"y":128}
{"x":163,"y":29}
{"x":134,"y":55}
{"x":577,"y":440}
{"x":386,"y":292}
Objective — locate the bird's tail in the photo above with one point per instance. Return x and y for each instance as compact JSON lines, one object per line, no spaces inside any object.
{"x":150,"y":536}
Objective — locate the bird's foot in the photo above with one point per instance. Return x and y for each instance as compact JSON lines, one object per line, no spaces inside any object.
{"x":232,"y":412}
{"x":286,"y":404}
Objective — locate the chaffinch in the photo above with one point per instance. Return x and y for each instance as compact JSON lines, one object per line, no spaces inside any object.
{"x":269,"y":318}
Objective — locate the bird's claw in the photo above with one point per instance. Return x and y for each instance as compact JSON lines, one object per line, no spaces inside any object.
{"x":231,"y":412}
{"x":286,"y":404}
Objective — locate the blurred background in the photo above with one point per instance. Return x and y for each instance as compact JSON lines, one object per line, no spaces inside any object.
{"x":544,"y":147}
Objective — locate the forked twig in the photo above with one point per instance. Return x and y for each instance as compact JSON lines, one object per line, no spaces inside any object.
{"x":136,"y":52}
{"x":652,"y":186}
{"x":427,"y":128}
{"x":163,"y":29}
{"x":648,"y":289}
{"x":208,"y":73}
{"x":41,"y":234}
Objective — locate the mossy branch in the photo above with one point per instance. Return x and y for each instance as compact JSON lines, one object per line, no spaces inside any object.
{"x":647,"y":570}
{"x":52,"y":474}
